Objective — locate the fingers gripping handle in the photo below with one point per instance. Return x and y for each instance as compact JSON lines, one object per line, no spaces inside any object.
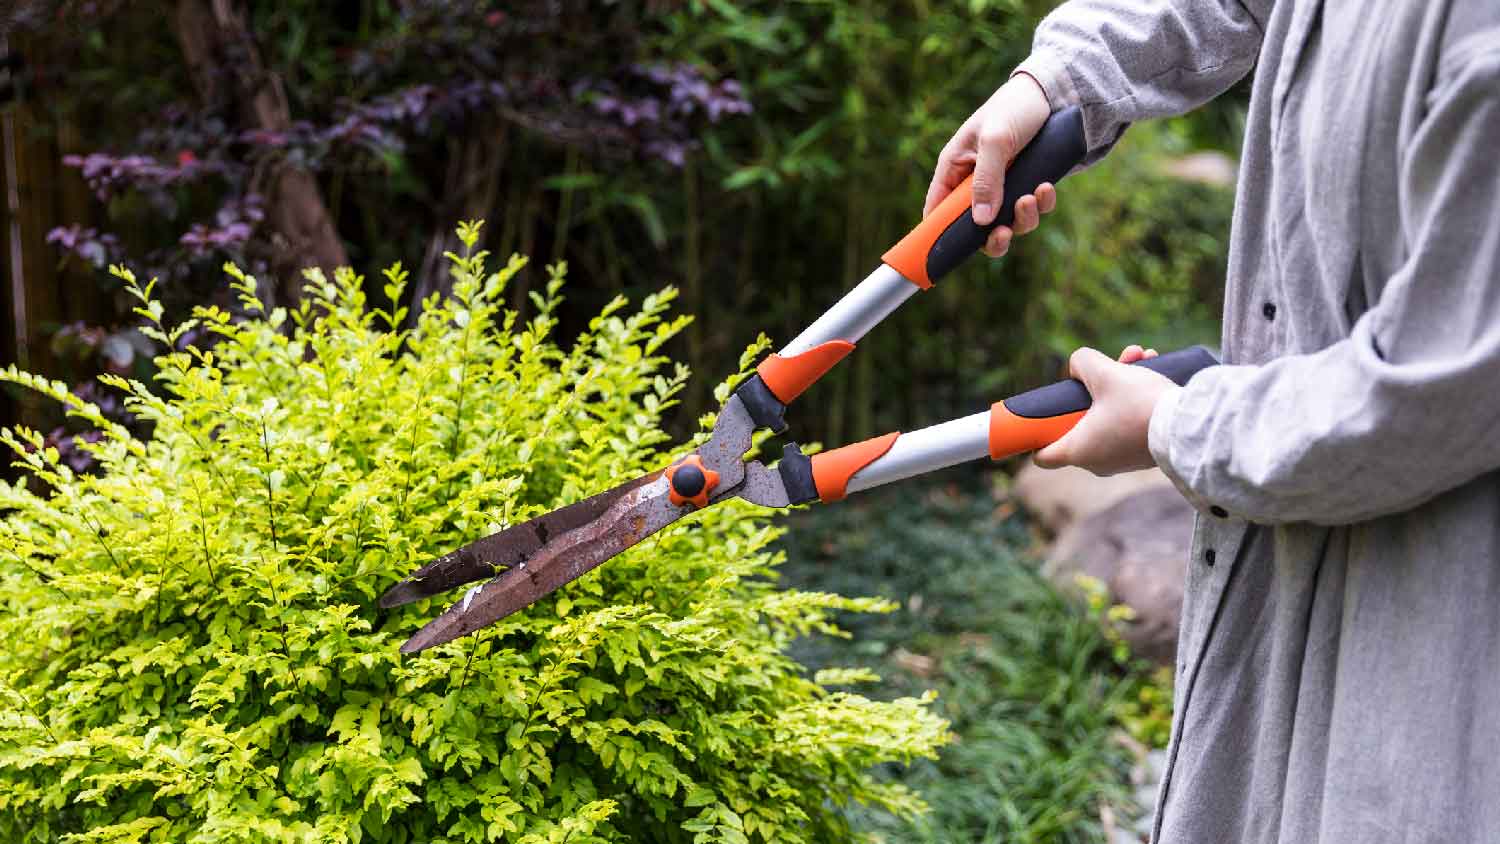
{"x":1040,"y":417}
{"x":949,"y":235}
{"x":1018,"y":424}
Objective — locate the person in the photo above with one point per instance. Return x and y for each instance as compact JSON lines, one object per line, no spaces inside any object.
{"x":1338,"y":668}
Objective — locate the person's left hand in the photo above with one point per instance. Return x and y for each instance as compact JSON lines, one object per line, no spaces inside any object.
{"x":1111,"y":437}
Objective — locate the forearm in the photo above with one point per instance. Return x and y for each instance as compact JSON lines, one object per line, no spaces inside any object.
{"x":1335,"y":437}
{"x":1127,"y":60}
{"x":1403,"y":409}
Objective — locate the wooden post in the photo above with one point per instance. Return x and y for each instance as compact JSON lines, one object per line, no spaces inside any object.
{"x":39,"y":293}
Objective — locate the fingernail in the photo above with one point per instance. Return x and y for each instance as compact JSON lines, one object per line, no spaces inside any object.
{"x":983,"y":212}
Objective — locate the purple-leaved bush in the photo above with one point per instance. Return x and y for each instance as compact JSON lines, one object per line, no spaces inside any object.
{"x":372,"y":100}
{"x":377,"y":94}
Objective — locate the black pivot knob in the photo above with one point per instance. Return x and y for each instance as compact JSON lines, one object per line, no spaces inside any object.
{"x":688,"y":480}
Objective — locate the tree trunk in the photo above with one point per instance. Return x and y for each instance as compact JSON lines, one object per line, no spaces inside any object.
{"x":226,"y":68}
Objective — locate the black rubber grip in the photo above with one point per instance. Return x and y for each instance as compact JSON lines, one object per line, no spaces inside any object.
{"x":1056,"y":149}
{"x":797,"y":475}
{"x":766,"y":411}
{"x":1070,"y":396}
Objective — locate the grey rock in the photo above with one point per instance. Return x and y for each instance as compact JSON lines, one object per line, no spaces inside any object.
{"x":1145,"y":797}
{"x":1142,"y":827}
{"x":1138,"y":548}
{"x":1156,"y":765}
{"x":1208,"y":168}
{"x":1060,"y":498}
{"x":1205,"y":168}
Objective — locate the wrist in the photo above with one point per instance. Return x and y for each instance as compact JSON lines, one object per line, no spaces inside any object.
{"x":1049,"y":73}
{"x":1024,"y":96}
{"x":1025,"y":79}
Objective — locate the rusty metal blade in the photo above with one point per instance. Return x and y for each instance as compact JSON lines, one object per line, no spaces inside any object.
{"x":633,"y":516}
{"x":500,"y":551}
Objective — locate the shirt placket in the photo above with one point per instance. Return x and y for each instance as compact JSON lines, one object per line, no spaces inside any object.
{"x":1217,"y":541}
{"x":1219,"y":537}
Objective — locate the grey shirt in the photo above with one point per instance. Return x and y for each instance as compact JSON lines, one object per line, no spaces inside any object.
{"x":1339,"y":657}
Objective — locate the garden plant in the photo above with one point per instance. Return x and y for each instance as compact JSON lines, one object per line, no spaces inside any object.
{"x":194,"y":653}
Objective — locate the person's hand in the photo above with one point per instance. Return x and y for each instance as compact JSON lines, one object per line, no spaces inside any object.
{"x":985,"y":145}
{"x":1111,"y":437}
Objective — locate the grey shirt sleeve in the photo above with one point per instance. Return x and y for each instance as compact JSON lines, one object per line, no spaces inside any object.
{"x":1406,"y":407}
{"x":1127,"y":60}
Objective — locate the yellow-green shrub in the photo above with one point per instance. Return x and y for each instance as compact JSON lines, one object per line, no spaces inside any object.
{"x":193,"y":653}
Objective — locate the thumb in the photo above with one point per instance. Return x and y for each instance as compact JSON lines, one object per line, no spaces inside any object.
{"x":997,"y":146}
{"x":1086,"y":365}
{"x":1013,"y":116}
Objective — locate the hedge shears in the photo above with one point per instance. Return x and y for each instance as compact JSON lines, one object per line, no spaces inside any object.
{"x":526,"y":562}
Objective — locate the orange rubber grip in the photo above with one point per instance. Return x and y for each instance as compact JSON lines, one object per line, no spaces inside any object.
{"x":833,"y":469}
{"x":1040,"y":417}
{"x":1011,"y":434}
{"x":787,"y":377}
{"x":909,"y":256}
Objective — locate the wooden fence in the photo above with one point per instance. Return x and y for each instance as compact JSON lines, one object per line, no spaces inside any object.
{"x":36,"y":294}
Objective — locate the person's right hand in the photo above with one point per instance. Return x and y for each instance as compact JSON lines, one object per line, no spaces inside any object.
{"x":985,"y":145}
{"x":1115,"y":435}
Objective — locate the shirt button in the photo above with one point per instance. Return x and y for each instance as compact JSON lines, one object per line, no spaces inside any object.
{"x":1209,"y":556}
{"x":1268,"y":310}
{"x":1219,"y":511}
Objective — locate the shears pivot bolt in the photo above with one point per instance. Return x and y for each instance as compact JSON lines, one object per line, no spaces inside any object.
{"x":690,"y":482}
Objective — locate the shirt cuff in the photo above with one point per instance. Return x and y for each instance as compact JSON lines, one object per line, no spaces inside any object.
{"x":1100,"y":129}
{"x":1053,"y":76}
{"x":1159,"y":439}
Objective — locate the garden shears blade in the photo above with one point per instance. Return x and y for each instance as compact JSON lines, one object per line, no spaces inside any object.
{"x":524,"y":563}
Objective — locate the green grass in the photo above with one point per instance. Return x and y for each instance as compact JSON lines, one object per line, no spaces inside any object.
{"x":1027,"y":677}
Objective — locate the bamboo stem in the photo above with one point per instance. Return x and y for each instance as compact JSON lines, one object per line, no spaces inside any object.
{"x":17,"y":263}
{"x":692,"y":280}
{"x":565,"y":207}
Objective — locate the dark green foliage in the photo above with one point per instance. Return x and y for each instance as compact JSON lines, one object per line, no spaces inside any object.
{"x":193,"y":652}
{"x":1026,"y":676}
{"x":771,"y":214}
